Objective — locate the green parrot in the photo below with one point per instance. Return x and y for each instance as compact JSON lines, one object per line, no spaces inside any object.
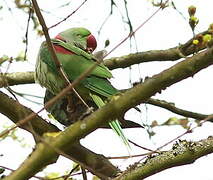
{"x":73,"y":48}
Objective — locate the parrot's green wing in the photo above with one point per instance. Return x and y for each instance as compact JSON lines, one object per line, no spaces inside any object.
{"x":100,"y":85}
{"x":45,"y":56}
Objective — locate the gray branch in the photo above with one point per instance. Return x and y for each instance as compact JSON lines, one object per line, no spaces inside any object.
{"x":182,"y":153}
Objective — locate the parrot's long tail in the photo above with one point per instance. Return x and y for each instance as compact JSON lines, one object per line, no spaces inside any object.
{"x":115,"y":125}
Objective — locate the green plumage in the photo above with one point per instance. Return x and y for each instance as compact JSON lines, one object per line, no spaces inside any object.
{"x":95,"y":87}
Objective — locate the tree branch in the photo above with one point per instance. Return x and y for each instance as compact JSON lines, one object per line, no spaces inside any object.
{"x":15,"y":112}
{"x":182,"y":153}
{"x":171,"y":107}
{"x":136,"y":95}
{"x":97,"y":163}
{"x":171,"y":54}
{"x":16,"y":78}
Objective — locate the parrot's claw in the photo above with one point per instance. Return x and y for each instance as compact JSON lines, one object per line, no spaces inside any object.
{"x":70,"y":105}
{"x":87,"y":113}
{"x":70,"y":109}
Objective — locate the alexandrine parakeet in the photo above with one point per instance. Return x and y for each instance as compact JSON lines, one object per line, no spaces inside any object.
{"x":73,"y":48}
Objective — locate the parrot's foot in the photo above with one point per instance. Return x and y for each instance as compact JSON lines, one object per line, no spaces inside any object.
{"x":87,"y":113}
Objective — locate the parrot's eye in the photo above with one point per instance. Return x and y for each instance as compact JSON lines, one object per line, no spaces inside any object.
{"x":79,"y":35}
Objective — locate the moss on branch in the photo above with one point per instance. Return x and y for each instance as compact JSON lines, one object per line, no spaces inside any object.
{"x":10,"y":79}
{"x":182,"y":153}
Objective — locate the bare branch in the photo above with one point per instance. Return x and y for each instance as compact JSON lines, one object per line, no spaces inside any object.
{"x":171,"y":107}
{"x":171,"y":54}
{"x":133,"y":32}
{"x":68,"y":15}
{"x":16,"y":78}
{"x":182,"y":153}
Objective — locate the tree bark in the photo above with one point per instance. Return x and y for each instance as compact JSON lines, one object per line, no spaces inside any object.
{"x":97,"y":163}
{"x":136,"y":95}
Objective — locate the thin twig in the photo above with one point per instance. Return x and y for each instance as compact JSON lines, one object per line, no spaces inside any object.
{"x":147,"y":149}
{"x":134,"y":156}
{"x":64,"y":176}
{"x":84,"y":173}
{"x":26,"y":34}
{"x":190,"y":130}
{"x":23,"y":95}
{"x":133,"y":32}
{"x":67,"y":16}
{"x":6,"y":82}
{"x":70,"y":173}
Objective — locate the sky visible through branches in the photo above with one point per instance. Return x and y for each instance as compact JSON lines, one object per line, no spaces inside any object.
{"x":166,"y":29}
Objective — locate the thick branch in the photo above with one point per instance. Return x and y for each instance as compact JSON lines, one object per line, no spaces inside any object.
{"x":97,"y":163}
{"x":16,"y":78}
{"x":171,"y":54}
{"x":138,"y":94}
{"x":182,"y":153}
{"x":15,"y":112}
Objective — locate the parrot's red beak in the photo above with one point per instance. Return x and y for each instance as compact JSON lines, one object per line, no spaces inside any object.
{"x":91,"y":43}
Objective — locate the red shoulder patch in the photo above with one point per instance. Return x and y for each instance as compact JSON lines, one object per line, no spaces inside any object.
{"x":62,"y":50}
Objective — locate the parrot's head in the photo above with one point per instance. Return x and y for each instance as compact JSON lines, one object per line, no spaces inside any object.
{"x":80,"y":37}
